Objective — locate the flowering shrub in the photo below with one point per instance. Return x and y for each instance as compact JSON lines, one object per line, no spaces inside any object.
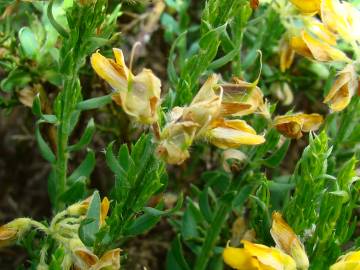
{"x":223,"y":132}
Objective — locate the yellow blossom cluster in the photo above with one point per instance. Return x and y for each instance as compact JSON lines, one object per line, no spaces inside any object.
{"x":64,"y":229}
{"x":213,"y":115}
{"x":289,"y":253}
{"x":318,"y":39}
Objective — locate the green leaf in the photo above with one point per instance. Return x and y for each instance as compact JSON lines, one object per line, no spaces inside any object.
{"x":177,"y":253}
{"x":75,"y":192}
{"x":36,"y":106}
{"x":85,"y":138}
{"x":191,"y":217}
{"x":16,"y":78}
{"x":277,"y":157}
{"x":44,"y":148}
{"x":242,"y":196}
{"x":224,"y":60}
{"x":85,"y":169}
{"x":28,"y":42}
{"x":94,"y":103}
{"x":205,"y":206}
{"x":112,"y":161}
{"x":90,"y":226}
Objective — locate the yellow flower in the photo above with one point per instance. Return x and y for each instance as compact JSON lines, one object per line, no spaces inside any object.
{"x":80,"y":208}
{"x":243,"y":98}
{"x":175,"y":140}
{"x":309,"y":46}
{"x":287,"y":241}
{"x":13,"y":230}
{"x":292,"y":126}
{"x":307,"y":6}
{"x":232,"y":133}
{"x":139,"y":95}
{"x":350,"y":261}
{"x":286,"y":54}
{"x":318,"y":29}
{"x":206,"y":105}
{"x":84,"y":259}
{"x":343,"y":89}
{"x":257,"y":257}
{"x":203,"y":118}
{"x":104,"y":209}
{"x":341,"y":18}
{"x":185,"y":123}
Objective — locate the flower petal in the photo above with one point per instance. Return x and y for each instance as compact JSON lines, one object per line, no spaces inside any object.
{"x":225,"y":138}
{"x":239,"y":258}
{"x":286,"y":55}
{"x":271,"y":257}
{"x":343,"y":89}
{"x":110,"y":71}
{"x":287,"y":241}
{"x":105,"y":205}
{"x":307,"y":6}
{"x":289,"y":126}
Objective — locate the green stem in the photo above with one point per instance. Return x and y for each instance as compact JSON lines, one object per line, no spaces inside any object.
{"x":218,"y":222}
{"x":63,"y":140}
{"x":54,"y":23}
{"x":212,"y":235}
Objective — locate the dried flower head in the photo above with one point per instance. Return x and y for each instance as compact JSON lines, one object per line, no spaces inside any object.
{"x":343,"y":89}
{"x":139,"y":95}
{"x":13,"y":230}
{"x":287,"y":241}
{"x":294,"y":125}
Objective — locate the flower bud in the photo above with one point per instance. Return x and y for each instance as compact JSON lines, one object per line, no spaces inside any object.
{"x":343,"y":89}
{"x":293,"y":125}
{"x":13,"y":230}
{"x":287,"y":241}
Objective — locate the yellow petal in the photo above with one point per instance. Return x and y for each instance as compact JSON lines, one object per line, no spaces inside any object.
{"x":292,"y":125}
{"x":109,"y":261}
{"x":235,"y":108}
{"x":307,"y":6}
{"x":205,"y":105}
{"x":287,"y":241}
{"x":343,"y":89}
{"x":7,"y":236}
{"x":311,"y":122}
{"x":176,"y":138}
{"x":119,"y":58}
{"x":84,"y":258}
{"x":206,"y":92}
{"x":239,"y":258}
{"x":341,"y":18}
{"x":271,"y":257}
{"x":110,"y":71}
{"x":142,"y":100}
{"x":286,"y":55}
{"x":321,"y":50}
{"x":105,"y":205}
{"x":318,"y":29}
{"x":233,"y":133}
{"x":345,"y":266}
{"x":237,"y":95}
{"x":298,"y":44}
{"x":79,"y":208}
{"x":350,"y":261}
{"x":289,"y":126}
